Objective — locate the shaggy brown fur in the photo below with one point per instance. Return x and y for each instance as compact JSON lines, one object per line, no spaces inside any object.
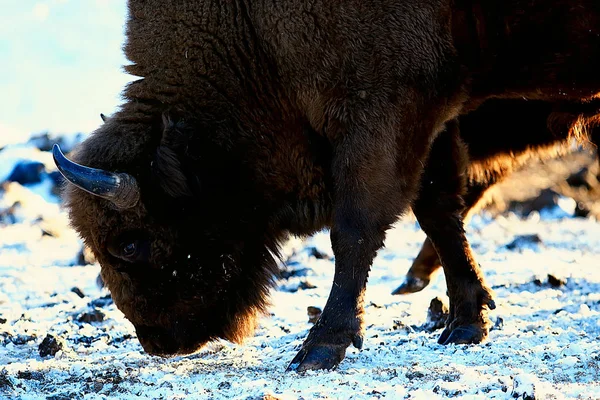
{"x":500,"y":136}
{"x":295,"y":116}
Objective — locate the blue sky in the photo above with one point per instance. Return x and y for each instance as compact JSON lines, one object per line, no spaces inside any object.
{"x":60,"y":65}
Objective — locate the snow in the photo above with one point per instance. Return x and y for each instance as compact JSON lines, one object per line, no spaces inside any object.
{"x":60,"y":65}
{"x":546,"y":348}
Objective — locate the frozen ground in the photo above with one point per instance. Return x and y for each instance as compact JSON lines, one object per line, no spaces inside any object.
{"x":548,"y":346}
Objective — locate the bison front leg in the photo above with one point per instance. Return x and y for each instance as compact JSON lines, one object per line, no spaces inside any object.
{"x":365,"y":205}
{"x":439,"y":211}
{"x":355,"y":243}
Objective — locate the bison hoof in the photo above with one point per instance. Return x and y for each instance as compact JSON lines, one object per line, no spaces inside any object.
{"x":321,"y":356}
{"x":411,"y":285}
{"x":318,"y":357}
{"x":469,"y":334}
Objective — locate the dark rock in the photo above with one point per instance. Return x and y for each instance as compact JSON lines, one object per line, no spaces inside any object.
{"x":49,"y":346}
{"x":499,"y":324}
{"x":30,"y":375}
{"x":306,"y":285}
{"x":5,"y":338}
{"x":80,"y":258}
{"x":224,"y":385}
{"x":46,"y":232}
{"x":285,"y":329}
{"x":5,"y":381}
{"x":99,"y":281}
{"x":101,"y":302}
{"x":8,"y":215}
{"x":44,"y":142}
{"x":2,"y":320}
{"x":53,"y":304}
{"x":93,"y":316}
{"x":78,"y":292}
{"x":97,"y":387}
{"x":547,"y":198}
{"x":120,"y":339}
{"x":27,"y":172}
{"x":313,"y":314}
{"x":20,"y":340}
{"x":290,"y":273}
{"x":523,"y":388}
{"x":524,"y":241}
{"x":316,"y":253}
{"x":446,"y":392}
{"x":437,"y":314}
{"x":414,"y":375}
{"x":399,"y":325}
{"x":552,"y":281}
{"x":437,"y":310}
{"x":87,"y":340}
{"x":25,"y":318}
{"x":556,"y":282}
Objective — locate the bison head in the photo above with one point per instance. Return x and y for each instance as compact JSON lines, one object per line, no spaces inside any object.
{"x":174,"y":222}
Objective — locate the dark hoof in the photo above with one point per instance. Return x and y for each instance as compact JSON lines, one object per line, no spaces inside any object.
{"x":316,"y":358}
{"x":444,"y":336}
{"x":411,"y":285}
{"x":469,"y":334}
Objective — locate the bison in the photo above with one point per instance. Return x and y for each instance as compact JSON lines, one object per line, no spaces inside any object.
{"x":253,"y":121}
{"x":500,"y":136}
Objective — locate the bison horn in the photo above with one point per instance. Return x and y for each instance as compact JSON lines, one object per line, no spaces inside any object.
{"x":119,"y":188}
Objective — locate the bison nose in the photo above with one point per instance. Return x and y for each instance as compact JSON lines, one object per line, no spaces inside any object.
{"x":157,"y":341}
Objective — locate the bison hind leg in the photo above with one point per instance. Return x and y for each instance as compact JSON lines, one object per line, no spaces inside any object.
{"x":421,"y":271}
{"x":439,"y":210}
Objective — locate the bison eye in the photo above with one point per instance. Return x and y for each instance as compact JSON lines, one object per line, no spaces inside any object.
{"x":130,"y":249}
{"x":135,"y":250}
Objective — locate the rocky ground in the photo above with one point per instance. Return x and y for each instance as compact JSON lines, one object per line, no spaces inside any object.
{"x":62,"y":337}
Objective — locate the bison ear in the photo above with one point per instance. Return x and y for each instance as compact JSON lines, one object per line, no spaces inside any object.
{"x":168,"y":168}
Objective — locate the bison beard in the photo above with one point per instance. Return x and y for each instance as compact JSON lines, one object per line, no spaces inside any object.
{"x":251,"y":122}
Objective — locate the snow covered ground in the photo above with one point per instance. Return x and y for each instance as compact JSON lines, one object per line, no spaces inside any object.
{"x":545,"y":345}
